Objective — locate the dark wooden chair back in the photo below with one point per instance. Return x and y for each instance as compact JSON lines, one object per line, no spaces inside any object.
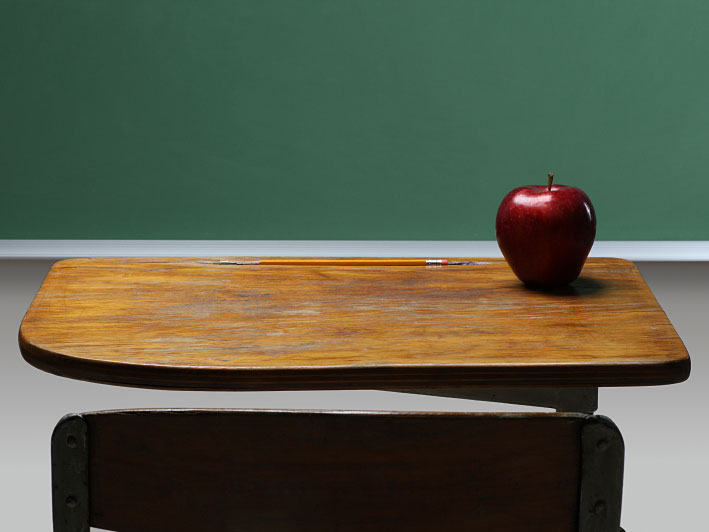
{"x":278,"y":471}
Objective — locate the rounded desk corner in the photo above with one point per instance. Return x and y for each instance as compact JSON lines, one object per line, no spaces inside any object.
{"x":683,"y":369}
{"x":69,"y":263}
{"x":617,"y":261}
{"x":673,"y":371}
{"x":41,"y":358}
{"x":33,"y":355}
{"x":621,"y":260}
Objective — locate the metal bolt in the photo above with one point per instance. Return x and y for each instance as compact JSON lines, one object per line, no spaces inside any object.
{"x":599,"y":507}
{"x":71,"y":501}
{"x":602,"y":445}
{"x":71,"y":441}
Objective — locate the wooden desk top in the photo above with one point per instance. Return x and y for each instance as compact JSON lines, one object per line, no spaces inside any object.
{"x":194,"y":324}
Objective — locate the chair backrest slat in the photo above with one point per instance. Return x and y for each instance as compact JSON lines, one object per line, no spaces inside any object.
{"x":326,"y":471}
{"x":283,"y":471}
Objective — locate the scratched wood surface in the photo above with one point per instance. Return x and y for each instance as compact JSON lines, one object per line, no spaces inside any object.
{"x":195,"y":323}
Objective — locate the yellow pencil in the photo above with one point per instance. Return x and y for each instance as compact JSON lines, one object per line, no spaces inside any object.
{"x":344,"y":262}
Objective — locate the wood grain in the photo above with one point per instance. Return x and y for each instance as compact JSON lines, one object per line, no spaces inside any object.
{"x":197,"y":324}
{"x":317,"y":471}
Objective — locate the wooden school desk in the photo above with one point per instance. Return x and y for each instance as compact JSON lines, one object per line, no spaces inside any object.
{"x":468,"y":330}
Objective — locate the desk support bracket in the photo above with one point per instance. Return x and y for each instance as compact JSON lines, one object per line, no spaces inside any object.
{"x":580,"y":400}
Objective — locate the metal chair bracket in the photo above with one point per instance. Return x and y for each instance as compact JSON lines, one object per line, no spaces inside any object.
{"x":70,"y":475}
{"x":602,"y":456}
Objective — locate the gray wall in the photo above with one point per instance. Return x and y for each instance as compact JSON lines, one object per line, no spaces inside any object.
{"x":665,"y":428}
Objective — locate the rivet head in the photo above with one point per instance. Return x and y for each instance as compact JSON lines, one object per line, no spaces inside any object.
{"x":71,"y":501}
{"x":599,"y":507}
{"x":71,"y":441}
{"x":602,"y":445}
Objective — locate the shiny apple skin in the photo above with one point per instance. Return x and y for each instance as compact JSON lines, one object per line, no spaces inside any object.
{"x":545,"y":235}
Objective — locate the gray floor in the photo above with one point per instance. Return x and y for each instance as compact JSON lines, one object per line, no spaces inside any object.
{"x":665,"y":428}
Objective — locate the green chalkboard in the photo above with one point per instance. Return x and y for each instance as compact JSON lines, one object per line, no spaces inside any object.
{"x":348,"y":119}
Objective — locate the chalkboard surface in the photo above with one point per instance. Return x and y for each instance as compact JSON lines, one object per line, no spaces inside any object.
{"x":348,"y":119}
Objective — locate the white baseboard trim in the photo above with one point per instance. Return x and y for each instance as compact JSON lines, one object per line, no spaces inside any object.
{"x":659,"y":250}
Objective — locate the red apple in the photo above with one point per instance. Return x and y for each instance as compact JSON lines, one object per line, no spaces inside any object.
{"x":546,"y":232}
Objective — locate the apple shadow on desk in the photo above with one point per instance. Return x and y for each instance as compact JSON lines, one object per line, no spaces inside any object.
{"x":583,"y":286}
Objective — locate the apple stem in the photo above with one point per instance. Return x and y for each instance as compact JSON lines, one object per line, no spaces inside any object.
{"x":551,"y":178}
